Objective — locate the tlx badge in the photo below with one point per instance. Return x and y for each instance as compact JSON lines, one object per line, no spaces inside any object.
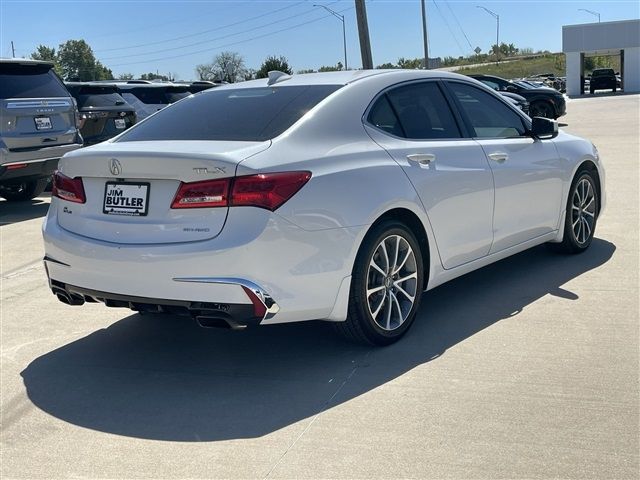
{"x":209,"y":170}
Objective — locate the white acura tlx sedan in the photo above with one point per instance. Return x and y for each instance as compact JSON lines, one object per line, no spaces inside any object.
{"x":337,"y":196}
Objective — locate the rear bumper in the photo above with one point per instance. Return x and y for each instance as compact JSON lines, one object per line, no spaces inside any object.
{"x":300,"y":271}
{"x":31,"y":165}
{"x":238,"y":315}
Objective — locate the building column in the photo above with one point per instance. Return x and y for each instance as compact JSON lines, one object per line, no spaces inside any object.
{"x":574,"y":69}
{"x":632,"y":69}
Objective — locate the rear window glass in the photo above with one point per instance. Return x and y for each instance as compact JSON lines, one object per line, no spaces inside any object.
{"x":244,"y":114}
{"x":29,"y":81}
{"x":602,"y":73}
{"x":96,"y":96}
{"x":153,"y":96}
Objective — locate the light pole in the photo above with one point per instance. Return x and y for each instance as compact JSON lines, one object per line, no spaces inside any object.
{"x":497,"y":17}
{"x":344,"y":33}
{"x":591,"y":12}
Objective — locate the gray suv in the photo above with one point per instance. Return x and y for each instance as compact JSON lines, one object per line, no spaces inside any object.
{"x":37,"y":126}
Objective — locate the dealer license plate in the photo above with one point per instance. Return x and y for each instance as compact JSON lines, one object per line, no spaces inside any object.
{"x":125,"y":198}
{"x":43,"y":123}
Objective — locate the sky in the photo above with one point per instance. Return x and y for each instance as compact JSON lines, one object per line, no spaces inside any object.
{"x":165,"y":36}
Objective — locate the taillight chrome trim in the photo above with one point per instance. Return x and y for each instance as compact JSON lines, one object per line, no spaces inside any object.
{"x":271,"y":307}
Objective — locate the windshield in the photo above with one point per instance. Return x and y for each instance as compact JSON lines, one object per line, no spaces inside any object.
{"x":243,"y":114}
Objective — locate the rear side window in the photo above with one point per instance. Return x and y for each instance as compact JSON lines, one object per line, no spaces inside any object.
{"x":489,"y":117}
{"x":29,"y":81}
{"x":420,"y":112}
{"x":243,"y":114}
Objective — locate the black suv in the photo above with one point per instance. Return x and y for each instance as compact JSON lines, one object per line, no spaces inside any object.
{"x":543,"y":101}
{"x":103,"y":111}
{"x":38,"y":126}
{"x":603,"y":79}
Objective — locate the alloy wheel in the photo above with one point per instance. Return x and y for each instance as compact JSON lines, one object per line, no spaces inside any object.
{"x":583,"y":211}
{"x":392,"y":281}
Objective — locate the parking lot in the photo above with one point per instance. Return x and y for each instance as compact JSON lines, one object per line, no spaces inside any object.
{"x":526,"y":368}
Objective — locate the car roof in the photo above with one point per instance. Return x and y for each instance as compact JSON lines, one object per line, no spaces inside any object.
{"x":24,"y":61}
{"x":338,"y":78}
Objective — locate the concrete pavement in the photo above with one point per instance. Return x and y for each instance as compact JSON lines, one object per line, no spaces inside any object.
{"x":528,"y":368}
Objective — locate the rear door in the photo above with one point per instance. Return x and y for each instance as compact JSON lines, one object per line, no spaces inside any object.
{"x":37,"y":110}
{"x":527,"y":172}
{"x":415,"y":124}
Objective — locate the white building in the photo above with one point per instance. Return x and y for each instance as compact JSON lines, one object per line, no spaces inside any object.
{"x":606,"y":38}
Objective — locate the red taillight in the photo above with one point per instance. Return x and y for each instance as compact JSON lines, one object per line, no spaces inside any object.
{"x":209,"y":193}
{"x":16,"y":166}
{"x":268,"y":190}
{"x":70,"y":189}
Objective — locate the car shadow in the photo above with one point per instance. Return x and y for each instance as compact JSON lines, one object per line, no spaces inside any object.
{"x":14,"y":212}
{"x":164,"y":378}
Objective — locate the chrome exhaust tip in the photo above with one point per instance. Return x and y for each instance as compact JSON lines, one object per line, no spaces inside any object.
{"x":218,"y":322}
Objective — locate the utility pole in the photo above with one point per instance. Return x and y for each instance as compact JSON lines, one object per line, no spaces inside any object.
{"x":424,"y":36}
{"x":363,"y":32}
{"x":13,"y":50}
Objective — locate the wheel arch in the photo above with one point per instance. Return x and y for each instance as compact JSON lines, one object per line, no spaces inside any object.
{"x":417,"y":227}
{"x":593,"y":169}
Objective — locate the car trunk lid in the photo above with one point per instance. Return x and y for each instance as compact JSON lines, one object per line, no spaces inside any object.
{"x":152,"y":171}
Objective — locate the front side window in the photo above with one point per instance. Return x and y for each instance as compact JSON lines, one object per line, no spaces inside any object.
{"x":488,"y":116}
{"x":417,"y":111}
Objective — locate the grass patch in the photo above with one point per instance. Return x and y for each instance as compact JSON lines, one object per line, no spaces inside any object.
{"x":524,"y":67}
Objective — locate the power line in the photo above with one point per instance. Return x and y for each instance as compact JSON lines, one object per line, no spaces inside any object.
{"x":448,"y":27}
{"x":455,"y":17}
{"x":202,"y":42}
{"x":203,"y":31}
{"x":187,"y":54}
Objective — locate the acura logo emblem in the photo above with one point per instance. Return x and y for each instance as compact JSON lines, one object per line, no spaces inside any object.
{"x":115,"y":167}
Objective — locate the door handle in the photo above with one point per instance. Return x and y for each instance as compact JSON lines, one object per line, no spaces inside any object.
{"x":421,"y":158}
{"x":498,"y":157}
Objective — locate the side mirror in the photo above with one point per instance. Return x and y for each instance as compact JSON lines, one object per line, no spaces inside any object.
{"x":544,"y":128}
{"x":512,"y":89}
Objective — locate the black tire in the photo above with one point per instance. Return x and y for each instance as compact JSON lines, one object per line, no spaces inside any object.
{"x":575,"y":240}
{"x":360,"y":325}
{"x":21,"y":192}
{"x":541,"y":109}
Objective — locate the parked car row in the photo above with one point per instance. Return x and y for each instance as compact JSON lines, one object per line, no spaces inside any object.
{"x":43,"y":118}
{"x":543,"y":101}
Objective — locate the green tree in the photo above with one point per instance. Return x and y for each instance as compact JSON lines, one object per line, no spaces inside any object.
{"x":77,"y":62}
{"x":386,"y":66}
{"x":306,"y":70}
{"x":154,"y":76}
{"x":45,"y":53}
{"x":335,"y":68}
{"x":125,"y":76}
{"x":409,"y":63}
{"x":273,"y":63}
